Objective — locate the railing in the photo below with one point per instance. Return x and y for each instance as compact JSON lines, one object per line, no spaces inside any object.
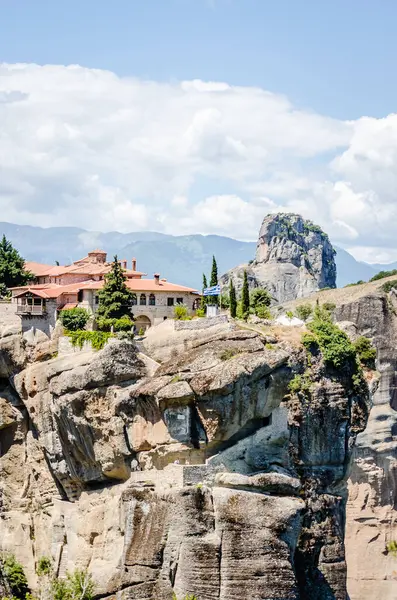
{"x":30,"y":309}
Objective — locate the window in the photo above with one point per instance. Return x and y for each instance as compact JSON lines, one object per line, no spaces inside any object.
{"x":96,"y":299}
{"x":80,"y":296}
{"x":152,"y":300}
{"x":142,"y":300}
{"x":170,"y":301}
{"x":134,"y":300}
{"x":179,"y":300}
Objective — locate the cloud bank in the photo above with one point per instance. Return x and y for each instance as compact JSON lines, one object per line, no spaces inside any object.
{"x":87,"y":148}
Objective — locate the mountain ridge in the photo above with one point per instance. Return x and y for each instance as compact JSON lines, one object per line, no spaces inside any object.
{"x":179,"y":258}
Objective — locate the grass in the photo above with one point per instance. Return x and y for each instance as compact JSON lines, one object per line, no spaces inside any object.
{"x":228,"y":353}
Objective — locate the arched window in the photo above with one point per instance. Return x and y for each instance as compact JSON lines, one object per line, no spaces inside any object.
{"x":142,"y":300}
{"x":152,"y":300}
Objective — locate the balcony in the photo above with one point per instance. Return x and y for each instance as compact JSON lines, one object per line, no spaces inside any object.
{"x":38,"y":310}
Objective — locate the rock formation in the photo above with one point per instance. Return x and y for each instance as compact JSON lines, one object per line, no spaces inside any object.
{"x":294,"y":258}
{"x":371,"y":520}
{"x":202,"y":476}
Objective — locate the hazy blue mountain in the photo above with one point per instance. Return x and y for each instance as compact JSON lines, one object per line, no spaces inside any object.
{"x":181,"y":259}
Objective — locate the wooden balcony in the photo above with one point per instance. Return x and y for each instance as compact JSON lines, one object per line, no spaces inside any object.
{"x":38,"y":310}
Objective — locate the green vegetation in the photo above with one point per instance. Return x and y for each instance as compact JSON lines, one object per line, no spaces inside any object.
{"x":389,"y":285}
{"x":391,"y":548}
{"x":98,"y":339}
{"x":224,"y":300}
{"x":245,"y":298}
{"x":12,"y":268}
{"x":123,"y":324}
{"x":181,"y":313}
{"x":329,"y":306}
{"x":15,"y":576}
{"x":383,"y":274}
{"x":74,"y":319}
{"x":204,"y":298}
{"x":366,"y":352}
{"x":115,"y":299}
{"x":290,"y":314}
{"x":214,"y":281}
{"x":233,"y":300}
{"x":260,"y":300}
{"x":200,"y":312}
{"x":228,"y":353}
{"x":188,"y":597}
{"x":141,"y":331}
{"x":44,"y":566}
{"x":303,"y":311}
{"x":309,"y":226}
{"x":334,"y":344}
{"x":359,"y":282}
{"x":300,"y":383}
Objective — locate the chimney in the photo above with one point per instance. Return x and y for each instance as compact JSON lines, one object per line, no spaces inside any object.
{"x":157,"y":278}
{"x":124,"y":263}
{"x":134,"y":264}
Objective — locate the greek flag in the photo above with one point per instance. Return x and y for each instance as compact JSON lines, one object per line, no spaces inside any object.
{"x":215,"y":290}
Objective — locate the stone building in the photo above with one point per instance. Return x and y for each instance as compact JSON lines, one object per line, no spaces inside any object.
{"x":65,"y":287}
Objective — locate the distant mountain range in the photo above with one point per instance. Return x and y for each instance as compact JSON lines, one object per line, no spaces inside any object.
{"x":181,"y":259}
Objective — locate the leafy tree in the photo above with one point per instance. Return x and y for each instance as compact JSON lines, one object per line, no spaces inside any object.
{"x":180,"y":312}
{"x":366,"y":352}
{"x":12,"y":267}
{"x":233,"y":300}
{"x":214,"y":280}
{"x":303,"y":311}
{"x":260,"y":299}
{"x":74,"y":319}
{"x":15,"y":576}
{"x":245,"y":297}
{"x":115,"y":299}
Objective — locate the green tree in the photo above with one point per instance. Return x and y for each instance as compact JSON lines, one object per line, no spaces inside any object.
{"x":233,"y":299}
{"x":12,"y":268}
{"x":260,"y":299}
{"x":15,"y":576}
{"x":74,"y":319}
{"x":115,"y":299}
{"x":204,"y":298}
{"x":245,"y":297}
{"x":214,"y":280}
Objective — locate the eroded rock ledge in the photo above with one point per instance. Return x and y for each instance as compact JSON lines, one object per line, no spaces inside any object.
{"x":204,"y":477}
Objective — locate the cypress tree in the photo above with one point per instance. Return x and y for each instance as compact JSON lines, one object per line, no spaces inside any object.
{"x":233,"y":300}
{"x":115,"y":299}
{"x":214,"y":280}
{"x":245,"y":297}
{"x":204,"y":298}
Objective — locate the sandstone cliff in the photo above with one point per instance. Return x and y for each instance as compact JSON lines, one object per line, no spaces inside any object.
{"x":294,"y":258}
{"x":202,"y":476}
{"x":371,"y":521}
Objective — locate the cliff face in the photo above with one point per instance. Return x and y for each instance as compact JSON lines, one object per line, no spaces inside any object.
{"x":203,"y":476}
{"x":294,"y":258}
{"x":371,"y":522}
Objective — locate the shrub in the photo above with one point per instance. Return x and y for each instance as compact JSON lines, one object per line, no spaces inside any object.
{"x":260,"y":297}
{"x":329,"y":306}
{"x":383,"y":274}
{"x":228,"y":353}
{"x":141,"y":331}
{"x":300,"y":383}
{"x":79,"y":585}
{"x":263,"y":312}
{"x":290,"y":314}
{"x":391,"y":548}
{"x":123,"y":324}
{"x":366,"y":352}
{"x":335,"y":346}
{"x":98,"y":339}
{"x":224,"y":300}
{"x":200,"y":312}
{"x":15,"y":576}
{"x":44,"y":566}
{"x":303,"y":311}
{"x":359,"y":282}
{"x":180,"y":312}
{"x":389,"y":285}
{"x":74,"y":319}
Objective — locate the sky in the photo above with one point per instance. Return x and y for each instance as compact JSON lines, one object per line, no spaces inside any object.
{"x":201,"y":116}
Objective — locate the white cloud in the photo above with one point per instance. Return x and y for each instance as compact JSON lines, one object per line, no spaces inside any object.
{"x":84,"y":147}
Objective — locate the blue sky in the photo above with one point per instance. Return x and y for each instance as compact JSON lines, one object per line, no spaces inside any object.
{"x":337,"y":57}
{"x":188,"y":116}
